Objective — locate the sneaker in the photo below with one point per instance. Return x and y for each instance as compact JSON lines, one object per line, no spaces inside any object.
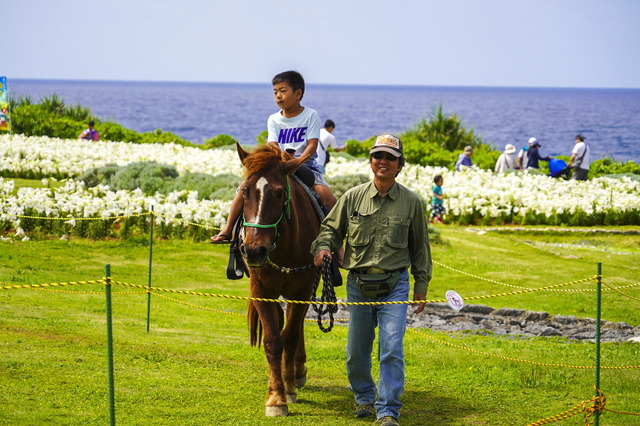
{"x":387,"y":421}
{"x":365,"y":410}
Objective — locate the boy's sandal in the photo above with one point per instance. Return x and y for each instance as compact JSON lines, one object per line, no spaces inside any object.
{"x":226,"y":239}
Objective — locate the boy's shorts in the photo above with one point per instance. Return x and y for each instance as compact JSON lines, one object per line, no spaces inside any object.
{"x":320,"y":179}
{"x":438,"y":210}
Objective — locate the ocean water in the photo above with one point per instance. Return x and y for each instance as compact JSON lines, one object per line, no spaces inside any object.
{"x":609,"y":118}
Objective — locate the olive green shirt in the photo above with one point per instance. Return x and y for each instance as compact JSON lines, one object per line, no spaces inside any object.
{"x":387,"y":232}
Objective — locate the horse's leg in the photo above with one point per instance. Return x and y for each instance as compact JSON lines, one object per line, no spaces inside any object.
{"x":301,"y":357}
{"x":276,"y":404}
{"x":292,"y":335}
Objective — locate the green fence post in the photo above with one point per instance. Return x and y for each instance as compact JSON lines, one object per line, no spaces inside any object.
{"x":598,"y":315}
{"x":112,"y":405}
{"x":150,"y":262}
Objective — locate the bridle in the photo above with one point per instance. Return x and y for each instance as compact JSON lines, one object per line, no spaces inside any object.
{"x":286,"y":209}
{"x":327,"y":301}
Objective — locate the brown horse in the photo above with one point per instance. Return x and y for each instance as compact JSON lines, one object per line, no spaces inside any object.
{"x":279,"y":225}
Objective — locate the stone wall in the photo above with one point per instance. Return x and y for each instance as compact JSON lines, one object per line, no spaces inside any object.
{"x":507,"y":321}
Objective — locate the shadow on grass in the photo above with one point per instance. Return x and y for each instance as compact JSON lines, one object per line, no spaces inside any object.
{"x":420,"y":407}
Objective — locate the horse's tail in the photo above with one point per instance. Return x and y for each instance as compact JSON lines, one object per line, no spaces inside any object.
{"x":255,"y":325}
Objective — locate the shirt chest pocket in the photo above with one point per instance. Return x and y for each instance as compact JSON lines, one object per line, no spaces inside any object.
{"x":361,"y":229}
{"x":397,"y":231}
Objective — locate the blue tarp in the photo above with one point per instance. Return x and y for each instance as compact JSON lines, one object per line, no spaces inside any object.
{"x":557,"y":167}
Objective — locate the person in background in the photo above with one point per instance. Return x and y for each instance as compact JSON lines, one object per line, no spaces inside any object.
{"x":507,"y":161}
{"x":534,"y":159}
{"x":327,"y":139}
{"x":90,"y":133}
{"x":294,"y":129}
{"x":465,"y":158}
{"x":523,"y":156}
{"x":437,"y":205}
{"x":384,"y":229}
{"x":580,"y":159}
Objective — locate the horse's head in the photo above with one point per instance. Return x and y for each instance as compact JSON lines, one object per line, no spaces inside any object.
{"x":267,"y":202}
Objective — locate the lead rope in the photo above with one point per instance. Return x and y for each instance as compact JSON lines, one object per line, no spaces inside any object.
{"x":328,"y":295}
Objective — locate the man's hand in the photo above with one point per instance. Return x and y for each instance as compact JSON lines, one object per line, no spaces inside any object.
{"x":417,"y":297}
{"x":317,"y":260}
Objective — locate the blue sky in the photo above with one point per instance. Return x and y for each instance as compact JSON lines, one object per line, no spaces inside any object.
{"x":530,"y":43}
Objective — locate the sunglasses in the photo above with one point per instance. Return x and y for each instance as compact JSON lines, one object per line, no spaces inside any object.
{"x":380,"y":155}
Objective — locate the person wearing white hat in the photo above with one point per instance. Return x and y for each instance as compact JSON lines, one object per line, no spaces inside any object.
{"x":507,"y":160}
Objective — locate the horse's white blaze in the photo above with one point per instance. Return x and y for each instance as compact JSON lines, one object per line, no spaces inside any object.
{"x":260,"y":184}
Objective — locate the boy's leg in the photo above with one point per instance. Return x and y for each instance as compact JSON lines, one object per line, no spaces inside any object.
{"x":226,"y":232}
{"x":329,"y":200}
{"x":326,"y":196}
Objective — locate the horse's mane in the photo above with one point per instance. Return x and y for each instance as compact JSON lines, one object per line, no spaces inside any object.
{"x":264,"y":157}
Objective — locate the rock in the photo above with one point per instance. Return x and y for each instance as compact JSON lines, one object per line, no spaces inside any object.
{"x":550,"y":331}
{"x":536,"y":316}
{"x":565,"y":319}
{"x":478,"y":309}
{"x":440,"y":316}
{"x":622,"y":326}
{"x":509,"y":312}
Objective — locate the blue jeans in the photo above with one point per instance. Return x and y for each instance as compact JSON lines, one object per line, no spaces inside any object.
{"x":392,"y":321}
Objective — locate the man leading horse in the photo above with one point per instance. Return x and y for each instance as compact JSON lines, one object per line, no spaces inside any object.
{"x":384,"y":228}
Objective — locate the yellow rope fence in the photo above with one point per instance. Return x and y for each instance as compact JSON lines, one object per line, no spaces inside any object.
{"x":588,"y":408}
{"x":155,"y":290}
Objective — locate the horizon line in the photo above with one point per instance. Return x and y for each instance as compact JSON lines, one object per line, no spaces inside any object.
{"x":321,"y":84}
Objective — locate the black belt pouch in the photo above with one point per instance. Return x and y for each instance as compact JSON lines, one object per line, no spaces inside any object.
{"x":376,"y":285}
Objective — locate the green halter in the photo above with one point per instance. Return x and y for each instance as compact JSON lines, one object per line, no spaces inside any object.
{"x":286,"y":209}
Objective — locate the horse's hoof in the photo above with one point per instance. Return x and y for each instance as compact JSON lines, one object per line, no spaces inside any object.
{"x":276,"y":411}
{"x":300,"y":381}
{"x":292,"y":398}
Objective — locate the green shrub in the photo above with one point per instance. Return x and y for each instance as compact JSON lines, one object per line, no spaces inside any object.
{"x":218,"y":141}
{"x":443,"y":130}
{"x":485,"y":157}
{"x":158,"y":136}
{"x":359,"y":149}
{"x":150,"y":177}
{"x":220,"y":187}
{"x":51,"y":117}
{"x":261,"y":138}
{"x":98,"y":176}
{"x":115,"y":132}
{"x":607,"y":166}
{"x":436,"y":141}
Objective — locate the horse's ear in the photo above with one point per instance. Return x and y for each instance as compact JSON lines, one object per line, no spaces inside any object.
{"x":241,"y":152}
{"x":291,"y":166}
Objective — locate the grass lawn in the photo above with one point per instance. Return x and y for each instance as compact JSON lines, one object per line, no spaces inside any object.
{"x":195,"y":366}
{"x":33,"y":183}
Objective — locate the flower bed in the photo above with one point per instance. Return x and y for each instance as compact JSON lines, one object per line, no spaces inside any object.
{"x":472,"y":196}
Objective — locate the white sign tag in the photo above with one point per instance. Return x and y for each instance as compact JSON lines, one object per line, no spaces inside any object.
{"x":455,"y":300}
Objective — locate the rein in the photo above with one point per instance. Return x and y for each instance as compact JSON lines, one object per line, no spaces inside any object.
{"x":328,"y":295}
